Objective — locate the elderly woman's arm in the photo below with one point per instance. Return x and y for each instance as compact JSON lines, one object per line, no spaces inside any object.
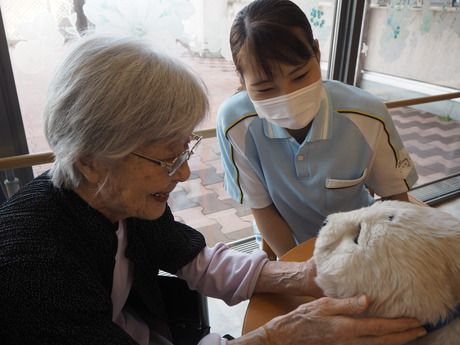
{"x":234,"y":276}
{"x":224,"y":273}
{"x":294,"y":278}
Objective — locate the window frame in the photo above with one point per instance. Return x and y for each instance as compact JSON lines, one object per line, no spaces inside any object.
{"x":12,"y":134}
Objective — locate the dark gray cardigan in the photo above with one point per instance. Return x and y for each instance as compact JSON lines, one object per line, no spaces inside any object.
{"x":56,"y":267}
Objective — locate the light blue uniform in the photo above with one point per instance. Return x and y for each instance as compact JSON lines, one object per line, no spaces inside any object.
{"x":352,"y":146}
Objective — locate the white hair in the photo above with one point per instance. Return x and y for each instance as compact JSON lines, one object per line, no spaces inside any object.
{"x":110,"y":96}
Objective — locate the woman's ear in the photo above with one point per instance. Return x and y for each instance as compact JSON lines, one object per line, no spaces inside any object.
{"x":92,"y":169}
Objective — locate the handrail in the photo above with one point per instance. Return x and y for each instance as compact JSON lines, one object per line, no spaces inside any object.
{"x":27,"y":160}
{"x":31,"y":159}
{"x":421,"y":100}
{"x":207,"y":133}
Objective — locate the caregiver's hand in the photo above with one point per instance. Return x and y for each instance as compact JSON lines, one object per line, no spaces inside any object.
{"x":329,"y":321}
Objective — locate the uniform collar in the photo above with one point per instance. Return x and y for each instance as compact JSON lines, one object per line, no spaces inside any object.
{"x":320,"y":129}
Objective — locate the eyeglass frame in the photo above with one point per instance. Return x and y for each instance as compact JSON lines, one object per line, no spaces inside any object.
{"x":176,"y":163}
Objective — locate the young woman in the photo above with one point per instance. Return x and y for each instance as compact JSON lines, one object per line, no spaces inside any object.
{"x":296,"y":148}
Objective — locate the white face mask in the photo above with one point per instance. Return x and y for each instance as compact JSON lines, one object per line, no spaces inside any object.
{"x":294,"y":110}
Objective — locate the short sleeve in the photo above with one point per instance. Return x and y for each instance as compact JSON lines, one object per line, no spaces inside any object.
{"x":393,"y":171}
{"x":254,"y":193}
{"x":241,"y":181}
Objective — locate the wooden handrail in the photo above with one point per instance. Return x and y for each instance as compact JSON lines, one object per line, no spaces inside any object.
{"x":207,"y":133}
{"x":421,"y":100}
{"x":31,"y":159}
{"x":27,"y":160}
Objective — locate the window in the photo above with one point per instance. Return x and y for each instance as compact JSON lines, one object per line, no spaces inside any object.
{"x":410,"y":49}
{"x":39,"y":32}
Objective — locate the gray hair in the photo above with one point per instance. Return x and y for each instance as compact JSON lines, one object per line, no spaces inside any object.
{"x":113,"y":95}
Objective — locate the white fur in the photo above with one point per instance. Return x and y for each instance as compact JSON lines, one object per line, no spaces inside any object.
{"x":407,"y":261}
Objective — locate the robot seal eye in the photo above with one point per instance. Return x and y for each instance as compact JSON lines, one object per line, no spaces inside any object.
{"x":325,"y":222}
{"x":390,"y":217}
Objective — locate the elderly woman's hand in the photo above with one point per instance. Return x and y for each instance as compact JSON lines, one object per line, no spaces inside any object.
{"x":311,"y":289}
{"x":331,"y":321}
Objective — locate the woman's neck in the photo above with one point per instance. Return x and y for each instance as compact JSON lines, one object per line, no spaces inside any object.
{"x":300,"y":134}
{"x":92,"y":196}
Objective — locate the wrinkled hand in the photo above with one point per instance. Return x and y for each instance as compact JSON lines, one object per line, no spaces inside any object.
{"x":330,"y":321}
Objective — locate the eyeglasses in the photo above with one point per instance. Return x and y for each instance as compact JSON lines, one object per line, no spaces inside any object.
{"x":177,"y":162}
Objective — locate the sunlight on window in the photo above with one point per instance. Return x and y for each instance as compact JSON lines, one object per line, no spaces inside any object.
{"x":39,"y":33}
{"x":196,"y":31}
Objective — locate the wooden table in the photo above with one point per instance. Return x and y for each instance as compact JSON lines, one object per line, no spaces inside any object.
{"x":264,"y":307}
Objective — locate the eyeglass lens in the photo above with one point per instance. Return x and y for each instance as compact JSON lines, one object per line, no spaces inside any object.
{"x":183,"y":157}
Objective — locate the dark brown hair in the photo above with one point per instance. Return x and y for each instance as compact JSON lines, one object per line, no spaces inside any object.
{"x":267,"y":30}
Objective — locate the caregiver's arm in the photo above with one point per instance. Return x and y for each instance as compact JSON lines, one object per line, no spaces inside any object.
{"x":274,"y":229}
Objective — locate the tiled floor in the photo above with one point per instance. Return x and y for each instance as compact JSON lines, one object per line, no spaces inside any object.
{"x":202,"y":202}
{"x":434,"y":144}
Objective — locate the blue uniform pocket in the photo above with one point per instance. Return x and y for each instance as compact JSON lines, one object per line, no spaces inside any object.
{"x":346,"y":195}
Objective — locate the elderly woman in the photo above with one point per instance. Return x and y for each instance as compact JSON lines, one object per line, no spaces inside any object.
{"x":81,"y":245}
